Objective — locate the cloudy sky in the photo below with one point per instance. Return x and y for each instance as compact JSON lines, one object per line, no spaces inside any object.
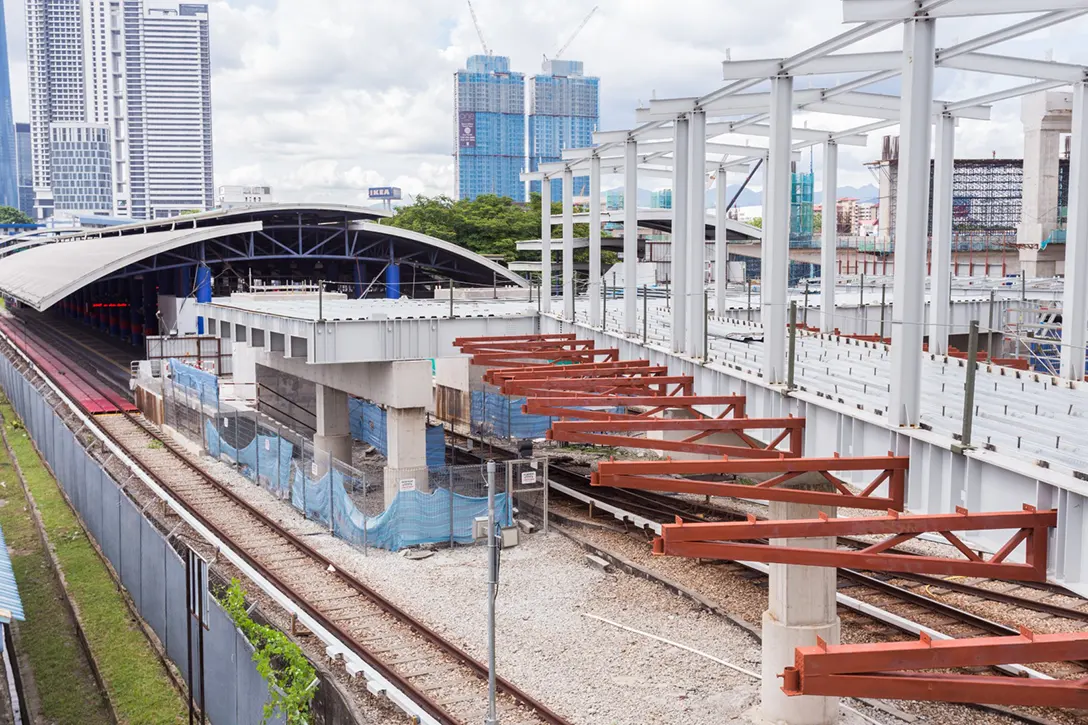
{"x":324,"y":98}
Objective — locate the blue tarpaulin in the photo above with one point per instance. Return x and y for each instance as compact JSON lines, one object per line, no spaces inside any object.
{"x":198,"y":381}
{"x":271,"y":454}
{"x":368,"y":425}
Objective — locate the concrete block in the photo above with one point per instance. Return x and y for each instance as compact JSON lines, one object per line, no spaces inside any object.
{"x":779,"y":643}
{"x":602,"y":564}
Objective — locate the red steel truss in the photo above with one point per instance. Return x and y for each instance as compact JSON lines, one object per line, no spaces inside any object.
{"x":650,"y":381}
{"x":607,"y":433}
{"x":581,"y":406}
{"x":499,"y":376}
{"x":709,"y":541}
{"x":521,"y":350}
{"x":659,"y":476}
{"x":884,"y":670}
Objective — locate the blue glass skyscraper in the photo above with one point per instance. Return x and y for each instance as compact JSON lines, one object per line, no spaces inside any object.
{"x":489,"y":118}
{"x":9,"y":186}
{"x":564,"y":111}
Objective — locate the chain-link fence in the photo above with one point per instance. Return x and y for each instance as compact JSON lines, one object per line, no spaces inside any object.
{"x":366,"y":505}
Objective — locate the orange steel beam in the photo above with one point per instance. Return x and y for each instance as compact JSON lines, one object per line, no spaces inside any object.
{"x":610,"y":385}
{"x":575,"y":408}
{"x":883,"y":670}
{"x":603,"y":432}
{"x":590,"y":371}
{"x":533,"y":346}
{"x":580,"y":368}
{"x":708,"y":541}
{"x":499,"y":339}
{"x":514,"y":359}
{"x":659,"y":476}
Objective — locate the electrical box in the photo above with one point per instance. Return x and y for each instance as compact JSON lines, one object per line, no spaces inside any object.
{"x":479,"y":528}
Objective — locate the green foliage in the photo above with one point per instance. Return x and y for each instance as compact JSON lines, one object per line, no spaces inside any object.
{"x":11,"y":215}
{"x":757,"y":222}
{"x":280,"y":662}
{"x":817,"y":221}
{"x":486,"y":225}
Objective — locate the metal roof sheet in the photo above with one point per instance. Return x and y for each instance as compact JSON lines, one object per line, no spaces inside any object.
{"x":9,"y":592}
{"x":43,"y":275}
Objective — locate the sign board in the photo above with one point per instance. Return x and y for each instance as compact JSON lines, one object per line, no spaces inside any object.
{"x":466,"y":129}
{"x":407,"y":484}
{"x":384,"y":192}
{"x":267,"y":444}
{"x":528,"y":477}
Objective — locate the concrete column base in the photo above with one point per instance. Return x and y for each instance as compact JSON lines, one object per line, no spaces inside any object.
{"x":338,"y":445}
{"x":397,"y":479}
{"x":779,"y":642}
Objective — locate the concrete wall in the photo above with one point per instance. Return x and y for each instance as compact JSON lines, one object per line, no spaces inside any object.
{"x":286,"y":398}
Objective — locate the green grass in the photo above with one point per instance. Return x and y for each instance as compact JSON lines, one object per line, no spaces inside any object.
{"x":67,"y":692}
{"x":138,"y":686}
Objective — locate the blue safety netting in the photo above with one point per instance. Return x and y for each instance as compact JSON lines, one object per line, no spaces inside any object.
{"x":314,"y":497}
{"x":415,"y":517}
{"x":268,"y":456}
{"x":196,"y":380}
{"x":368,"y":425}
{"x":500,"y":415}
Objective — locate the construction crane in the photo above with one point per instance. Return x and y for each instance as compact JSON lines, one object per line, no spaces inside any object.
{"x":575,"y":33}
{"x":472,"y":12}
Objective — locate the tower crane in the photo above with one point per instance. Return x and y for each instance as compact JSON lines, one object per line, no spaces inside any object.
{"x":576,"y":32}
{"x":479,"y":31}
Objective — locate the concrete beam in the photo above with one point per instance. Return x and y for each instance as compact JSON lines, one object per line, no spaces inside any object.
{"x":399,"y":384}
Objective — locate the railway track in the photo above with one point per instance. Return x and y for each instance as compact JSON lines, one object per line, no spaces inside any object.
{"x":447,"y":683}
{"x":909,"y":607}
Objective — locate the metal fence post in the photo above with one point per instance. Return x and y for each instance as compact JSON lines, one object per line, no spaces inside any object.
{"x":305,"y":480}
{"x":805,"y":313}
{"x":450,"y":469}
{"x":749,"y":298}
{"x":969,"y":386}
{"x":492,"y":592}
{"x":793,"y":344}
{"x":883,"y":297}
{"x":331,"y":479}
{"x":237,"y":442}
{"x":547,"y":488}
{"x":365,"y":515}
{"x":645,"y":312}
{"x":257,"y":448}
{"x":604,"y":304}
{"x":510,"y":487}
{"x":451,"y":298}
{"x":861,"y":307}
{"x":990,"y":329}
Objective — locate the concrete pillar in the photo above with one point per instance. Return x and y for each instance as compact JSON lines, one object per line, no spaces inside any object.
{"x":568,"y":244}
{"x":721,"y":243}
{"x":406,"y":462}
{"x":828,"y":251}
{"x":774,"y":279}
{"x":546,"y":244}
{"x":801,"y":607}
{"x":940,"y":281}
{"x":911,"y":222}
{"x":696,"y":236}
{"x":678,"y":274}
{"x":203,"y":293}
{"x":1075,"y":301}
{"x":333,"y":434}
{"x":595,"y":241}
{"x":1045,"y":116}
{"x":630,"y":237}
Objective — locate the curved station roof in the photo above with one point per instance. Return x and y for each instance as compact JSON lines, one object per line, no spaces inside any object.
{"x":41,"y":272}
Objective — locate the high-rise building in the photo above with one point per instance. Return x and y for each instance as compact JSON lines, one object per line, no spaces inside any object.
{"x":9,"y":185}
{"x":24,"y":168}
{"x":133,"y":75}
{"x":168,"y":121}
{"x":489,"y":119}
{"x":661,"y":199}
{"x":564,"y":111}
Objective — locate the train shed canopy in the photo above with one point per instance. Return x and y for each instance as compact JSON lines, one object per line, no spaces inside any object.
{"x":282,"y":241}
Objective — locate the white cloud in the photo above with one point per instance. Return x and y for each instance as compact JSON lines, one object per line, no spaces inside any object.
{"x":321,"y":98}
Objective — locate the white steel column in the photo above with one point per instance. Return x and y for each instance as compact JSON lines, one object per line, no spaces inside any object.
{"x":1075,"y":302}
{"x":828,"y":268}
{"x":940,"y":281}
{"x":595,"y":241}
{"x":697,"y":235}
{"x":568,"y":244}
{"x":912,"y":215}
{"x":774,"y":278}
{"x":678,"y":276}
{"x":545,"y":244}
{"x":721,"y":246}
{"x":630,"y":236}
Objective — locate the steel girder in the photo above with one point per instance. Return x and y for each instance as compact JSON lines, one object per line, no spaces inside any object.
{"x":884,"y":670}
{"x":604,"y":432}
{"x":668,"y":476}
{"x":530,"y":350}
{"x":709,"y":541}
{"x":498,"y":376}
{"x":575,"y":407}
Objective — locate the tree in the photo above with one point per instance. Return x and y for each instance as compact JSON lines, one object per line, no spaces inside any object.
{"x":488,"y":224}
{"x":11,"y":215}
{"x":757,"y":222}
{"x":817,"y":222}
